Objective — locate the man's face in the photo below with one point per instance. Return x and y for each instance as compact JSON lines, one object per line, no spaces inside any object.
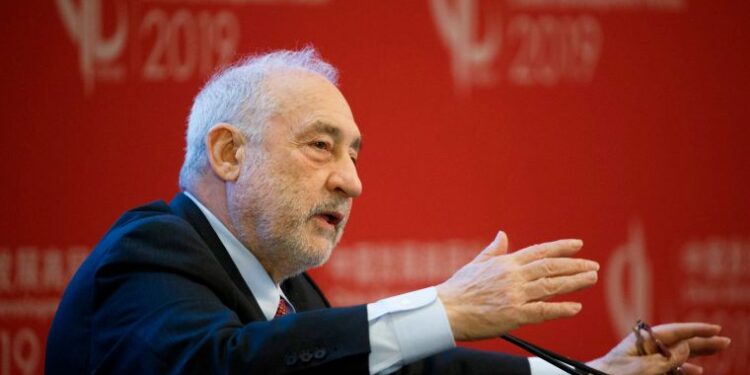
{"x":294,"y":194}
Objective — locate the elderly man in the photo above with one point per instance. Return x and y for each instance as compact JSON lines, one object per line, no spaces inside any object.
{"x":215,"y":282}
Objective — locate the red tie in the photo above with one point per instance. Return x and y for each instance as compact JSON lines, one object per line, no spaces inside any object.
{"x":284,"y":308}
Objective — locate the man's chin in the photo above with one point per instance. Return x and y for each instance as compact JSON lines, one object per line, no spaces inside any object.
{"x":319,"y":246}
{"x":320,"y":252}
{"x":325,"y":238}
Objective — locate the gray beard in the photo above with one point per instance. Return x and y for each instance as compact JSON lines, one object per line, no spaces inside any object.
{"x":281,"y":247}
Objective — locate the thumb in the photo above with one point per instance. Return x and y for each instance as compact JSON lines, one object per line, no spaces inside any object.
{"x":498,"y":247}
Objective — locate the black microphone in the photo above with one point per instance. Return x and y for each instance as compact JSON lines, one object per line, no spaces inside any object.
{"x":557,"y":360}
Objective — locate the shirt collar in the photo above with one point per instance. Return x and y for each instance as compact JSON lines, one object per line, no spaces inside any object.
{"x":264,"y":290}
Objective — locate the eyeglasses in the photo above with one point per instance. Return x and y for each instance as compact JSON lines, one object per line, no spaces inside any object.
{"x":640,"y":344}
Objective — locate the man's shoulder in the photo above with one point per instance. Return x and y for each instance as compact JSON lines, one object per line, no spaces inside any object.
{"x":152,"y":233}
{"x":149,"y":215}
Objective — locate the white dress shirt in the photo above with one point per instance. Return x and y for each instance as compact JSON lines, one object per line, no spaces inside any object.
{"x":402,"y":329}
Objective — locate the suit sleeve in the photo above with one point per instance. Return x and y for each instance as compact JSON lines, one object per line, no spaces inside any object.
{"x":163,"y":305}
{"x":469,"y":361}
{"x":416,"y":330}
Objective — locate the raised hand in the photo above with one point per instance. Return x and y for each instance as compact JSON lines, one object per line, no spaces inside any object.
{"x":497,"y":292}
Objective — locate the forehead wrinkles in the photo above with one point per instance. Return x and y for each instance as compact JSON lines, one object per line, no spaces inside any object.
{"x":300,"y":98}
{"x":290,"y":96}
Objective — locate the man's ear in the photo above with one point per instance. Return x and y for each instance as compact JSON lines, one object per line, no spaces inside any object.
{"x":225,"y":152}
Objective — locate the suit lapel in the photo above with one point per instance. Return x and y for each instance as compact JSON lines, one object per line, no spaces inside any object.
{"x":304,"y":294}
{"x":301,"y":290}
{"x":182,"y":206}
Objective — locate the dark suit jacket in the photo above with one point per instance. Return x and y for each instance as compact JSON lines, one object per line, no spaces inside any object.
{"x":160,"y":295}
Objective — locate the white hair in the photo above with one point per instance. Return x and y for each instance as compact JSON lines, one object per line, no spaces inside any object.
{"x":236,"y":95}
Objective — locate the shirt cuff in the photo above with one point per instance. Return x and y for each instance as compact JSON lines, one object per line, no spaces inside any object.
{"x":541,"y":367}
{"x":407,"y":328}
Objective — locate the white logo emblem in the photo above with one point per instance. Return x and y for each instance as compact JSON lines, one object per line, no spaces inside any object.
{"x":96,"y":54}
{"x":627,"y":303}
{"x":472,"y":57}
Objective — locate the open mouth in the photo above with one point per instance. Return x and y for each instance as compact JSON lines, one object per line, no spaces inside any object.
{"x":331,"y":217}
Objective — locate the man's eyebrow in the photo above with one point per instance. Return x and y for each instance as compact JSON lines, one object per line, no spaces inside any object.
{"x":324,"y":127}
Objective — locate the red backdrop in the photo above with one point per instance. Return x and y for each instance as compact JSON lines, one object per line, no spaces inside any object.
{"x":616,"y":121}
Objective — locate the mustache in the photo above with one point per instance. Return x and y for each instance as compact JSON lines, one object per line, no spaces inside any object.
{"x":339,"y":205}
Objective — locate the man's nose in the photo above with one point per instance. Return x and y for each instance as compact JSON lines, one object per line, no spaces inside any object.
{"x":344,"y":178}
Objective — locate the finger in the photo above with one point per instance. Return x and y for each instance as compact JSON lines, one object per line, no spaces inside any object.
{"x":674,"y":332}
{"x":657,"y":364}
{"x":707,"y":345}
{"x":537,"y":312}
{"x":499,"y":246}
{"x":679,"y":352}
{"x":552,"y":286}
{"x":550,"y":267}
{"x":691,"y":369}
{"x":554,"y":249}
